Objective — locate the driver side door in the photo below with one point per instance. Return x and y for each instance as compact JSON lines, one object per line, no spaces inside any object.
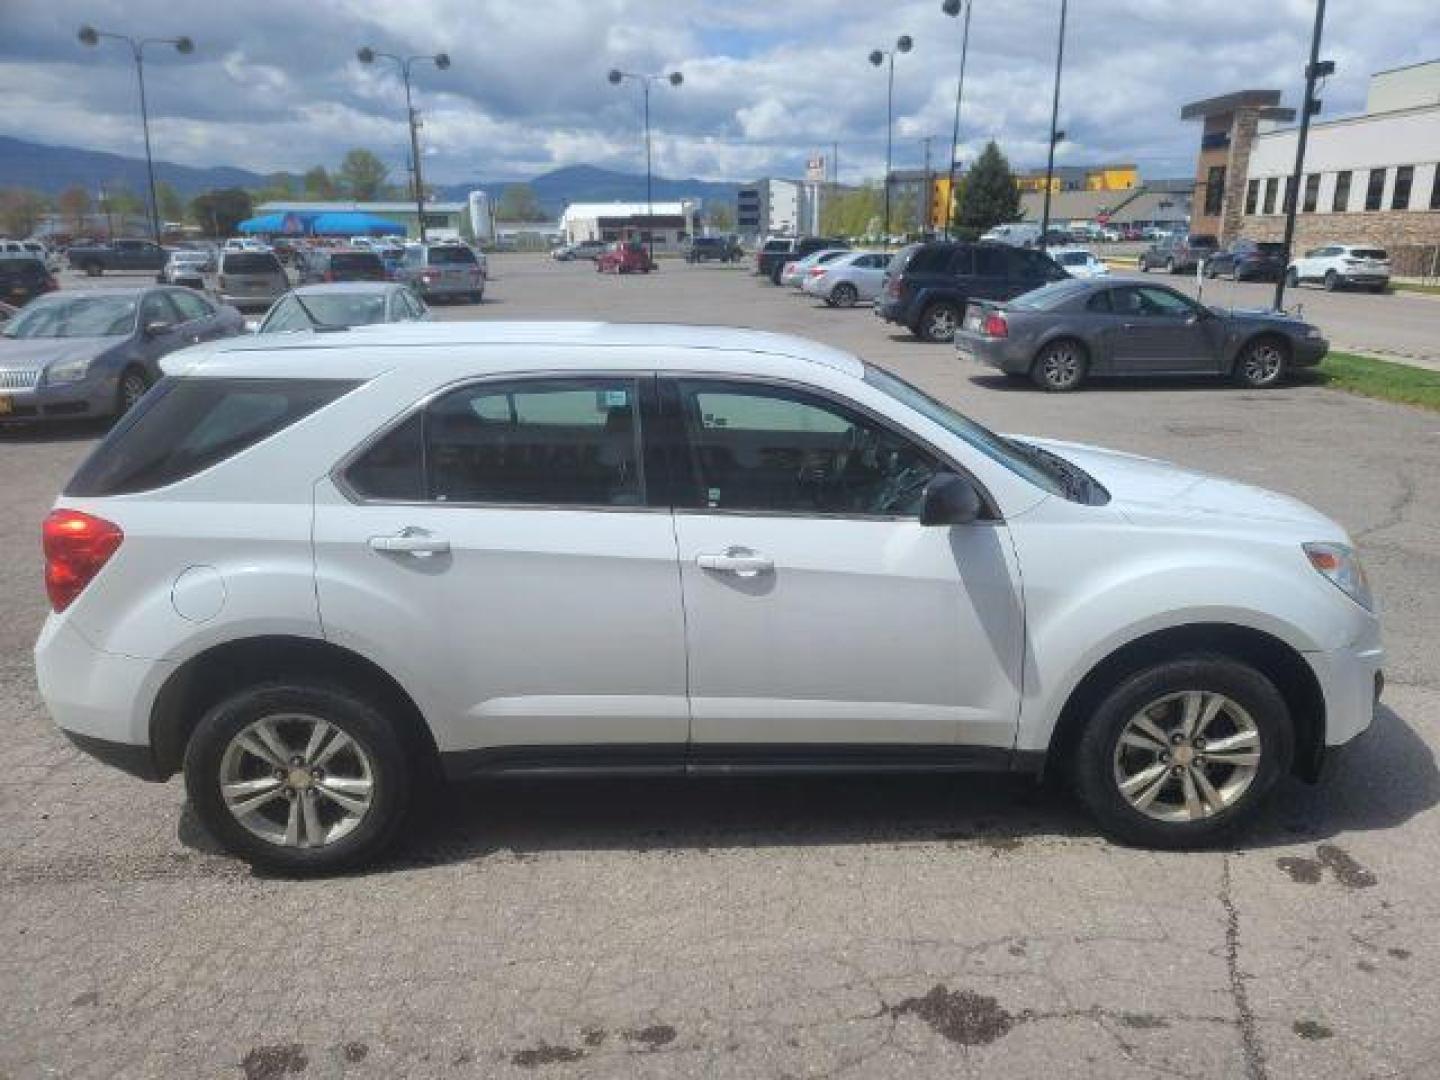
{"x":824,"y":623}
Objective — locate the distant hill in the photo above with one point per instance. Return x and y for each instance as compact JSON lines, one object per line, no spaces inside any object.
{"x":52,"y":169}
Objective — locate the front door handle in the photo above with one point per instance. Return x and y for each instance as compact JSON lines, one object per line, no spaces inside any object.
{"x":411,"y":541}
{"x":740,"y":561}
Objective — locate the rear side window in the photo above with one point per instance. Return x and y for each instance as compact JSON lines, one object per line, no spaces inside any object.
{"x":252,"y":262}
{"x":929,"y":260}
{"x":1378,"y":254}
{"x":186,"y":425}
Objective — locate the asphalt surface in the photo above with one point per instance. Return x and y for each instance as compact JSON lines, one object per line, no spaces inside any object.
{"x":860,"y":927}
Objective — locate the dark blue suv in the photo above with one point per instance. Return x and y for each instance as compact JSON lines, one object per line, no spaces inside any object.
{"x":928,"y":285}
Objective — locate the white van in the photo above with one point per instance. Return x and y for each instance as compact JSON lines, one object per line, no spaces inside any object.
{"x":1016,"y":234}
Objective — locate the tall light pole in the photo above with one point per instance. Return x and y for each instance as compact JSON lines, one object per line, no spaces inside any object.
{"x":367,"y":55}
{"x":1316,"y":69}
{"x":952,"y":8}
{"x":89,"y":36}
{"x":1055,"y":136}
{"x":903,"y":44}
{"x":674,"y":78}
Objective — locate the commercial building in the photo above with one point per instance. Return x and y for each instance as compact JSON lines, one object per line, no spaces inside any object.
{"x":774,"y":206}
{"x":1162,"y":203}
{"x":1369,"y":179}
{"x":1112,"y":177}
{"x":442,"y":219}
{"x":665,"y":224}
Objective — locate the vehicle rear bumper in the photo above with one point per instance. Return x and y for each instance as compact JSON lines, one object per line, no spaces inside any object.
{"x":1365,"y":279}
{"x":1002,"y":353}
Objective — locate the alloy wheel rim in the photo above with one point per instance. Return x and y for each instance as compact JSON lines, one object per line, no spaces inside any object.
{"x":1062,"y":367}
{"x":844,"y":295}
{"x":942,"y":324}
{"x":1262,"y":364}
{"x":295,"y":780}
{"x":132,"y":390}
{"x":1187,"y":756}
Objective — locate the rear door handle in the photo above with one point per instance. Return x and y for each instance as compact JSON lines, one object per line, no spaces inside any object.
{"x":740,"y":561}
{"x":411,"y":541}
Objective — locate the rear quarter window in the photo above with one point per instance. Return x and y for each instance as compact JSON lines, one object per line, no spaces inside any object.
{"x":186,"y":425}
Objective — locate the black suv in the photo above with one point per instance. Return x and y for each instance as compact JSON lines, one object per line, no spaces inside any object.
{"x":770,"y":259}
{"x":1177,"y":254}
{"x":718,"y":248}
{"x":1248,"y":260}
{"x":928,"y":285}
{"x":22,"y":278}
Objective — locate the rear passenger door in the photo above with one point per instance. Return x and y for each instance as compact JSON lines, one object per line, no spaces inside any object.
{"x":499,"y":550}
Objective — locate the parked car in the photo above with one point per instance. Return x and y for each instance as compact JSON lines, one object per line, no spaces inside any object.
{"x":458,"y":567}
{"x":340,"y":306}
{"x":794,"y":273}
{"x":1177,"y":254}
{"x":24,"y":277}
{"x":342,"y":264}
{"x":1077,"y":262}
{"x":1016,"y":233}
{"x":1247,"y":260}
{"x":589,"y":249}
{"x":119,"y":255}
{"x":1339,"y":266}
{"x":35,"y":248}
{"x":79,"y":354}
{"x":625,"y":257}
{"x":772,"y":256}
{"x":8,"y":312}
{"x":443,"y":271}
{"x":245,"y":243}
{"x":250,"y":279}
{"x":928,"y":285}
{"x":186,"y":268}
{"x":725,"y":249}
{"x":1062,"y":334}
{"x":853,"y":277}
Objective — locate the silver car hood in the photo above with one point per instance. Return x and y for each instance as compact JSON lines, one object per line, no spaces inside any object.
{"x":28,"y":354}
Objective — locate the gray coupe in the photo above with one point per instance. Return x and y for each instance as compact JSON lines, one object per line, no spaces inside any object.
{"x":1061,"y":334}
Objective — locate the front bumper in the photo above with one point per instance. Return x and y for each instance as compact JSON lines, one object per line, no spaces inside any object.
{"x":1307,"y":352}
{"x":93,"y":395}
{"x":1350,"y":679}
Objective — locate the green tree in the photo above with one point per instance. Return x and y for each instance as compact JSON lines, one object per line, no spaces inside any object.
{"x":317,"y":184}
{"x":362,"y":175}
{"x":74,"y":204}
{"x":989,"y":195}
{"x":850,"y":213}
{"x":20,"y":210}
{"x":219,"y":212}
{"x":172,"y":207}
{"x":518,"y":203}
{"x":722,"y":217}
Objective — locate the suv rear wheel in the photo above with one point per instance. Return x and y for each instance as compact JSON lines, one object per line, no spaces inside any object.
{"x":298,"y":777}
{"x":1183,"y":752}
{"x":939,"y":321}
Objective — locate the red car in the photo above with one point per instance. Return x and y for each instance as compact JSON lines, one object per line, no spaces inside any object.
{"x":629,"y":257}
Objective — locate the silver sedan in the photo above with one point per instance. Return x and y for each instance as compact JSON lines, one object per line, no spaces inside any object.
{"x":853,"y":277}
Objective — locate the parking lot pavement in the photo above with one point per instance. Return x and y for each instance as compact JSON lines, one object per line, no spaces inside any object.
{"x":872,"y":927}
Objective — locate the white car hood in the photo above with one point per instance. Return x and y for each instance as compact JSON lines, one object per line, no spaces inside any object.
{"x":1148,"y":486}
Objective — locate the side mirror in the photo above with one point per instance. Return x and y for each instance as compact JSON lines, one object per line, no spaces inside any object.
{"x":950,"y":500}
{"x":156,"y":328}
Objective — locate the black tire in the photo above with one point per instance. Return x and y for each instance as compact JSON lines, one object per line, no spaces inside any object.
{"x":775,"y":273}
{"x":1378,"y":288}
{"x":1331,"y":280}
{"x":357,"y":718}
{"x":1211,"y":272}
{"x":1094,"y":767}
{"x":1262,"y":363}
{"x":94,"y":269}
{"x":477,"y":297}
{"x":129,"y":389}
{"x":1061,"y":366}
{"x":1170,"y":267}
{"x":843,"y":295}
{"x":1142,"y":265}
{"x":939,"y":321}
{"x":1292,"y":278}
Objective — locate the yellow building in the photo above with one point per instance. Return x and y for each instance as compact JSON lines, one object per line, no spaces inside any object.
{"x":1081,"y":178}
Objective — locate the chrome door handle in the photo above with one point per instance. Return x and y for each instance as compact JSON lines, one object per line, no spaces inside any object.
{"x":739,"y":561}
{"x":410,"y":542}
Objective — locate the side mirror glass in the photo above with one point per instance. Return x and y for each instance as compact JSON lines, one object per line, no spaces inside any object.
{"x":156,"y":328}
{"x":950,"y":500}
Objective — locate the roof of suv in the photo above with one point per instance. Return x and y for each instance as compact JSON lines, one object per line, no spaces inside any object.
{"x":361,"y":349}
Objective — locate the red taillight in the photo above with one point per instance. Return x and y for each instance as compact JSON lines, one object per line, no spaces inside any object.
{"x":816,"y":271}
{"x":76,"y":546}
{"x":329,"y":275}
{"x":996,"y":326}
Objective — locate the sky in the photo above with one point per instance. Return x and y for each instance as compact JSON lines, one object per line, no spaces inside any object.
{"x":274,"y":84}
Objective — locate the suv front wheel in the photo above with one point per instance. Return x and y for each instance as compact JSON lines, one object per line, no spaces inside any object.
{"x":298,"y":777}
{"x":1179,"y":754}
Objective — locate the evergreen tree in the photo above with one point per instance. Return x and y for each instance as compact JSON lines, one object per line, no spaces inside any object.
{"x":989,"y":195}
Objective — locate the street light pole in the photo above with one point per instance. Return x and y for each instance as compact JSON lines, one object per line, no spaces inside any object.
{"x":674,"y":78}
{"x":89,"y":36}
{"x":1313,"y":70}
{"x":1055,"y":136}
{"x":952,"y":8}
{"x":367,"y":55}
{"x":902,"y":44}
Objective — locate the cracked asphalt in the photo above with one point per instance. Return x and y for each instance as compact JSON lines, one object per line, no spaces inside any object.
{"x":894,"y":927}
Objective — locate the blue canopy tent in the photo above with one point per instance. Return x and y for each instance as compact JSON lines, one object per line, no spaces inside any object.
{"x":354,"y":223}
{"x":265,"y":223}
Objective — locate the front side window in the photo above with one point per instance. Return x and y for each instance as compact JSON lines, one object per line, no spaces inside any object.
{"x":1151,"y":302}
{"x":192,"y":306}
{"x":773,"y":449}
{"x":156,"y":308}
{"x":558,"y":442}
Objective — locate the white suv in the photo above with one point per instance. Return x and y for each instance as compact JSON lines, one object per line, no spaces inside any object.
{"x":1342,"y":266}
{"x":308,"y":570}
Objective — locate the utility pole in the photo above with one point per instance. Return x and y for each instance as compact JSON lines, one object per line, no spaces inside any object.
{"x":1313,"y":70}
{"x":952,"y":8}
{"x":929,"y":192}
{"x":1055,"y":136}
{"x":902,"y":44}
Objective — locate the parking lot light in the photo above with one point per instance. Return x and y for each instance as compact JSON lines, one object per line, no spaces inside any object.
{"x":952,"y":8}
{"x":903,"y":44}
{"x":367,"y":55}
{"x":1055,"y":136}
{"x":674,"y":78}
{"x":90,"y":37}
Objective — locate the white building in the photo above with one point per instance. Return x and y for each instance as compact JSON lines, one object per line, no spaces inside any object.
{"x":671,"y":223}
{"x":774,"y":206}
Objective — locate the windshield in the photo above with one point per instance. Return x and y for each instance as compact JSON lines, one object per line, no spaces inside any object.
{"x":74,"y":317}
{"x":981,"y":438}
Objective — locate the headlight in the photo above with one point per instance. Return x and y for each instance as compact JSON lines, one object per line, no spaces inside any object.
{"x":1313,"y":332}
{"x":68,"y":371}
{"x":1342,"y":566}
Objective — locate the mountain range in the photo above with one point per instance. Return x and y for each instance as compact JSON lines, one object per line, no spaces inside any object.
{"x":51,"y":169}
